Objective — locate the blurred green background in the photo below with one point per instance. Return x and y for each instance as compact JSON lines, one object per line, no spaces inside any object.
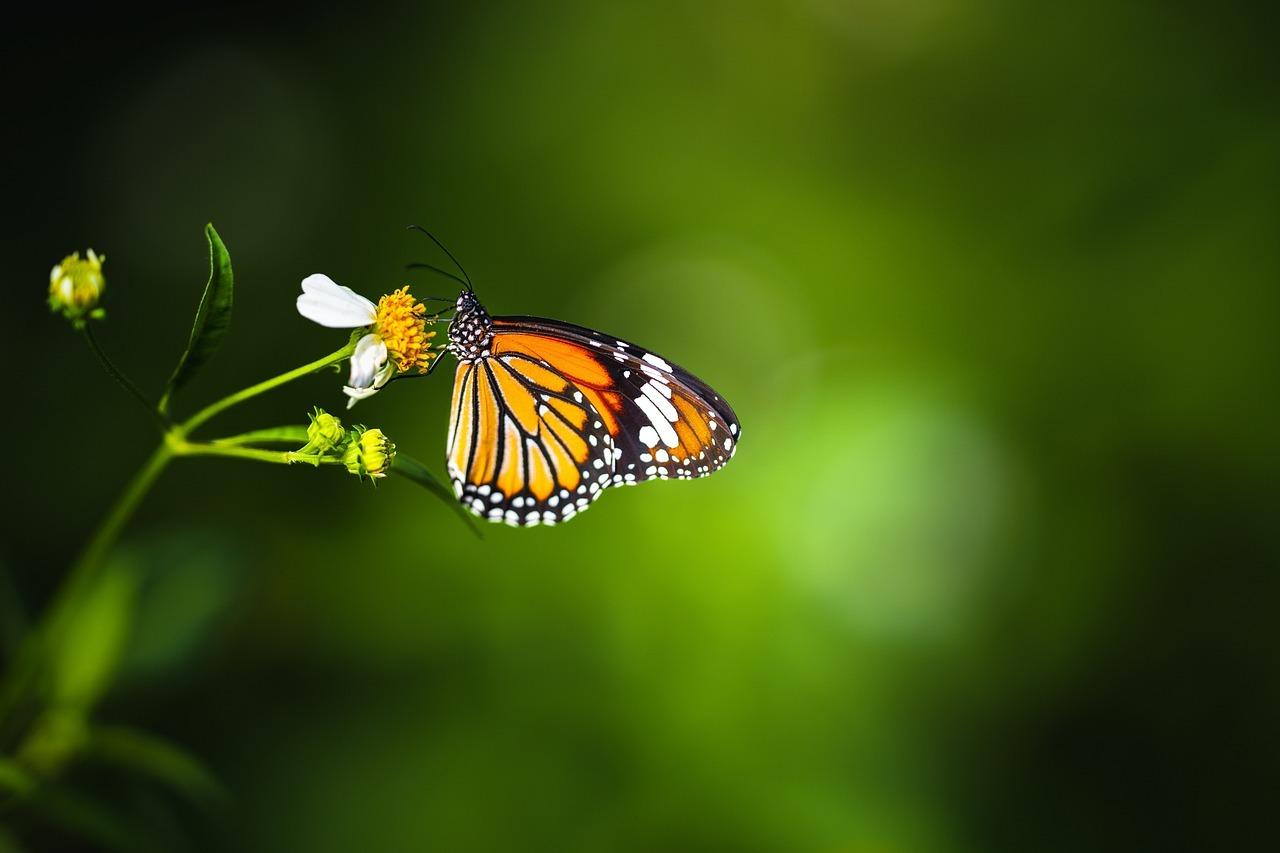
{"x":992,"y":287}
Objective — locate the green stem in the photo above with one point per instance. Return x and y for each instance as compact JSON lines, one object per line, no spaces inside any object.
{"x":26,"y":663}
{"x":266,"y":385}
{"x":279,"y":457}
{"x":122,"y":380}
{"x":105,"y":536}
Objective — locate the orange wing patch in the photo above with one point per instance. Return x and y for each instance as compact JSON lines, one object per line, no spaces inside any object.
{"x":576,"y":362}
{"x":571,"y":412}
{"x":519,"y":400}
{"x":461,"y":421}
{"x":572,"y":441}
{"x":485,"y":459}
{"x":511,"y":478}
{"x":541,"y":482}
{"x":695,"y":420}
{"x":539,"y":375}
{"x":566,"y":467}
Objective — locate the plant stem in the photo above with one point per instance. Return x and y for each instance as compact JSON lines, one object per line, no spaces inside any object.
{"x":27,"y":661}
{"x":105,"y":536}
{"x":122,"y":380}
{"x":266,"y":385}
{"x":279,"y":457}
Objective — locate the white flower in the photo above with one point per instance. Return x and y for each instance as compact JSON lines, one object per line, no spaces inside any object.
{"x":328,"y":303}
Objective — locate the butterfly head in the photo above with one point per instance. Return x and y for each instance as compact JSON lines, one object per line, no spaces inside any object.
{"x":470,"y":329}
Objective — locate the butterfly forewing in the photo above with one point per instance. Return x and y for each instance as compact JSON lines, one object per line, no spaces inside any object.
{"x":665,"y":422}
{"x":525,"y":445}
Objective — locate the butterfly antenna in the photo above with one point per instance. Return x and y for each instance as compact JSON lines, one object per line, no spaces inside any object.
{"x":438,"y":271}
{"x":443,"y":248}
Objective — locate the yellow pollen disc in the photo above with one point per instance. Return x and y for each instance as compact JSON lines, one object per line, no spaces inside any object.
{"x":402,"y":326}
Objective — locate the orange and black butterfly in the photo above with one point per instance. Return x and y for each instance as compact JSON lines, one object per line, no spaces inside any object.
{"x":547,"y":415}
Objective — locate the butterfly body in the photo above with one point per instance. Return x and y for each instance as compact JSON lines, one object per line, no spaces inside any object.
{"x":547,"y":415}
{"x":470,"y":330}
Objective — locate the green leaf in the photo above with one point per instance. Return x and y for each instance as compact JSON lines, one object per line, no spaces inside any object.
{"x":212,"y":317}
{"x":410,"y":468}
{"x":274,"y":435}
{"x":152,"y":756}
{"x":14,"y":778}
{"x":86,"y":646}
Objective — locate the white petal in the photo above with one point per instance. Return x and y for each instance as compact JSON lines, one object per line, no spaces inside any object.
{"x":328,"y":303}
{"x":369,"y":358}
{"x":357,"y":394}
{"x":380,"y":378}
{"x":384,"y":374}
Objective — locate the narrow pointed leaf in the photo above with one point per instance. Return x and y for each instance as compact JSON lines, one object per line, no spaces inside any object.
{"x":152,"y":756}
{"x":213,"y":317}
{"x":412,"y":469}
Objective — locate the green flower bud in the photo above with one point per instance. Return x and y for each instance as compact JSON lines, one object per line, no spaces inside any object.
{"x":326,"y":433}
{"x":75,"y":287}
{"x":369,"y":454}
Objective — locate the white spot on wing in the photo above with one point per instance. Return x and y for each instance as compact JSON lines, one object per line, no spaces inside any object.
{"x":665,"y":431}
{"x":657,"y":362}
{"x":650,"y":390}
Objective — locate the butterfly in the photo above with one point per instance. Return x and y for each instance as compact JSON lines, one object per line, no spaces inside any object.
{"x":546,"y":416}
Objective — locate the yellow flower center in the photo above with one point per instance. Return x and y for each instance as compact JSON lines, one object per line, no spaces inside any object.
{"x":402,"y":326}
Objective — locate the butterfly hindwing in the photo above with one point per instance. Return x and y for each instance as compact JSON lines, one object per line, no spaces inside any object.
{"x":526,"y":446}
